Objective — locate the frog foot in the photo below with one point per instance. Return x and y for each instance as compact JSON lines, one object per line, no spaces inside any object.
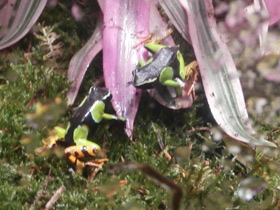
{"x":96,"y":163}
{"x":75,"y":153}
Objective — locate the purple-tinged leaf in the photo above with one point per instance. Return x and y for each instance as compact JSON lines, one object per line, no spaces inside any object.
{"x":125,"y":21}
{"x":16,"y":19}
{"x":273,"y":7}
{"x":101,"y":4}
{"x":218,"y":72}
{"x":81,"y":61}
{"x":177,"y":16}
{"x":167,"y":97}
{"x":158,"y":27}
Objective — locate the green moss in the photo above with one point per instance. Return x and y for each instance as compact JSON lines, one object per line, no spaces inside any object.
{"x":209,"y":177}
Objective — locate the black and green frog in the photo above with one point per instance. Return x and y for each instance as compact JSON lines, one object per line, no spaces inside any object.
{"x":166,"y":75}
{"x":165,"y":68}
{"x":88,"y":114}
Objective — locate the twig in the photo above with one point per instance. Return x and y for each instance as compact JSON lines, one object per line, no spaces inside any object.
{"x":189,"y":132}
{"x":40,"y":192}
{"x":159,"y":137}
{"x":95,"y":171}
{"x":165,"y":152}
{"x":276,"y":131}
{"x":177,"y":192}
{"x":55,"y":197}
{"x":122,"y":159}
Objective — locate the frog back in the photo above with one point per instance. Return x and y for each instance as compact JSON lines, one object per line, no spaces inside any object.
{"x":147,"y":76}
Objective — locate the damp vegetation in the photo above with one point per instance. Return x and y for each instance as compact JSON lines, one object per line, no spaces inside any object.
{"x":175,"y":155}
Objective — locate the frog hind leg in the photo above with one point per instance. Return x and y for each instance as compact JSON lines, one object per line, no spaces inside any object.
{"x":75,"y":153}
{"x":166,"y":78}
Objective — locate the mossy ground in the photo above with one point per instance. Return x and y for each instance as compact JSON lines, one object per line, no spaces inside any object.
{"x":207,"y":173}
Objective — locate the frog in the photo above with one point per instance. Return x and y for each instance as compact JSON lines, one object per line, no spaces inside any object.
{"x":166,"y":77}
{"x":88,"y":114}
{"x":166,"y":68}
